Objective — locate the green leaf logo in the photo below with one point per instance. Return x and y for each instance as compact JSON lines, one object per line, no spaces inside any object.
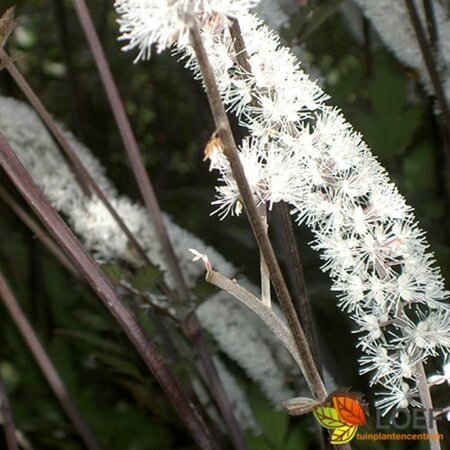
{"x":328,"y":417}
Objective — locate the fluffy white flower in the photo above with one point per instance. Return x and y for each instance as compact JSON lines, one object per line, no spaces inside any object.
{"x":160,"y":23}
{"x":370,"y":244}
{"x":397,"y":395}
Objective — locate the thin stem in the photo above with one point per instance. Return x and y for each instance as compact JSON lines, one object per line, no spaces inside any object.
{"x":66,"y":50}
{"x":430,"y":62}
{"x":424,"y":391}
{"x":151,"y":202}
{"x":45,"y":364}
{"x":303,"y":309}
{"x":38,"y":232}
{"x":87,"y":183}
{"x":105,"y":291}
{"x":433,"y":34}
{"x":303,"y":303}
{"x":425,"y":396}
{"x":215,"y":387}
{"x":130,"y":144}
{"x":8,"y":422}
{"x":60,"y":256}
{"x":222,"y":125}
{"x":265,"y":275}
{"x":265,"y":313}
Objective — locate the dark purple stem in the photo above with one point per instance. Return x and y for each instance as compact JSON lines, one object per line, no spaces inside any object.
{"x":129,"y":141}
{"x":8,"y":422}
{"x":151,"y":202}
{"x":45,"y":364}
{"x":105,"y":291}
{"x":430,"y":62}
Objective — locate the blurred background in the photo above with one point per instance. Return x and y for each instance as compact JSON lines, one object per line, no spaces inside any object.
{"x":170,"y":116}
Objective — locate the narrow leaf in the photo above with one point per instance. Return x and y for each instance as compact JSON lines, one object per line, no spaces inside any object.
{"x":300,"y":405}
{"x":7,"y":25}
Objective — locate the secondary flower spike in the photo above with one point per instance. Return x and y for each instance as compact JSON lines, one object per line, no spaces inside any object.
{"x":304,"y":152}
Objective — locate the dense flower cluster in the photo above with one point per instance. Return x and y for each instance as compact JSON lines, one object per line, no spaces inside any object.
{"x":304,"y":152}
{"x":161,"y":23}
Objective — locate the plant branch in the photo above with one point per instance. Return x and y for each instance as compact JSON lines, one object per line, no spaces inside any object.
{"x":38,"y":232}
{"x":264,"y":312}
{"x":130,"y":144}
{"x":424,"y":392}
{"x":430,"y":62}
{"x":45,"y":364}
{"x":8,"y":422}
{"x":104,"y":289}
{"x":60,"y":256}
{"x":66,"y":50}
{"x":87,"y":183}
{"x":303,"y":309}
{"x":265,"y":274}
{"x":229,"y":146}
{"x":151,"y":202}
{"x":303,"y":303}
{"x":425,"y":396}
{"x":433,"y":34}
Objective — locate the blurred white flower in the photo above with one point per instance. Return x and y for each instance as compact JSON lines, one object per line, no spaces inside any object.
{"x":236,"y":330}
{"x":394,"y":27}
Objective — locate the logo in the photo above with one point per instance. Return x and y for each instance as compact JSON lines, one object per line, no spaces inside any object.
{"x":342,"y":413}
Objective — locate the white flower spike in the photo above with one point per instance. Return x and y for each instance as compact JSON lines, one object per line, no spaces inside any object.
{"x":304,"y":152}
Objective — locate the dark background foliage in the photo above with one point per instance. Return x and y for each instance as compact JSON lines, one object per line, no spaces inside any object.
{"x":170,"y":115}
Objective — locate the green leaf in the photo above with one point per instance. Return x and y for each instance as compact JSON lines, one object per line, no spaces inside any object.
{"x":274,"y":423}
{"x":120,"y":365}
{"x":95,"y":341}
{"x":390,"y":125}
{"x":203,"y":289}
{"x":146,"y":278}
{"x":113,"y":271}
{"x":257,"y":443}
{"x":297,"y":439}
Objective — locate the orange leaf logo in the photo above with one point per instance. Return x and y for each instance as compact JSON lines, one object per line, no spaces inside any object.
{"x":349,"y":410}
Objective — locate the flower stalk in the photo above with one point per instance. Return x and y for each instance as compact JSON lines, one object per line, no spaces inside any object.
{"x":304,"y":311}
{"x":229,"y":146}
